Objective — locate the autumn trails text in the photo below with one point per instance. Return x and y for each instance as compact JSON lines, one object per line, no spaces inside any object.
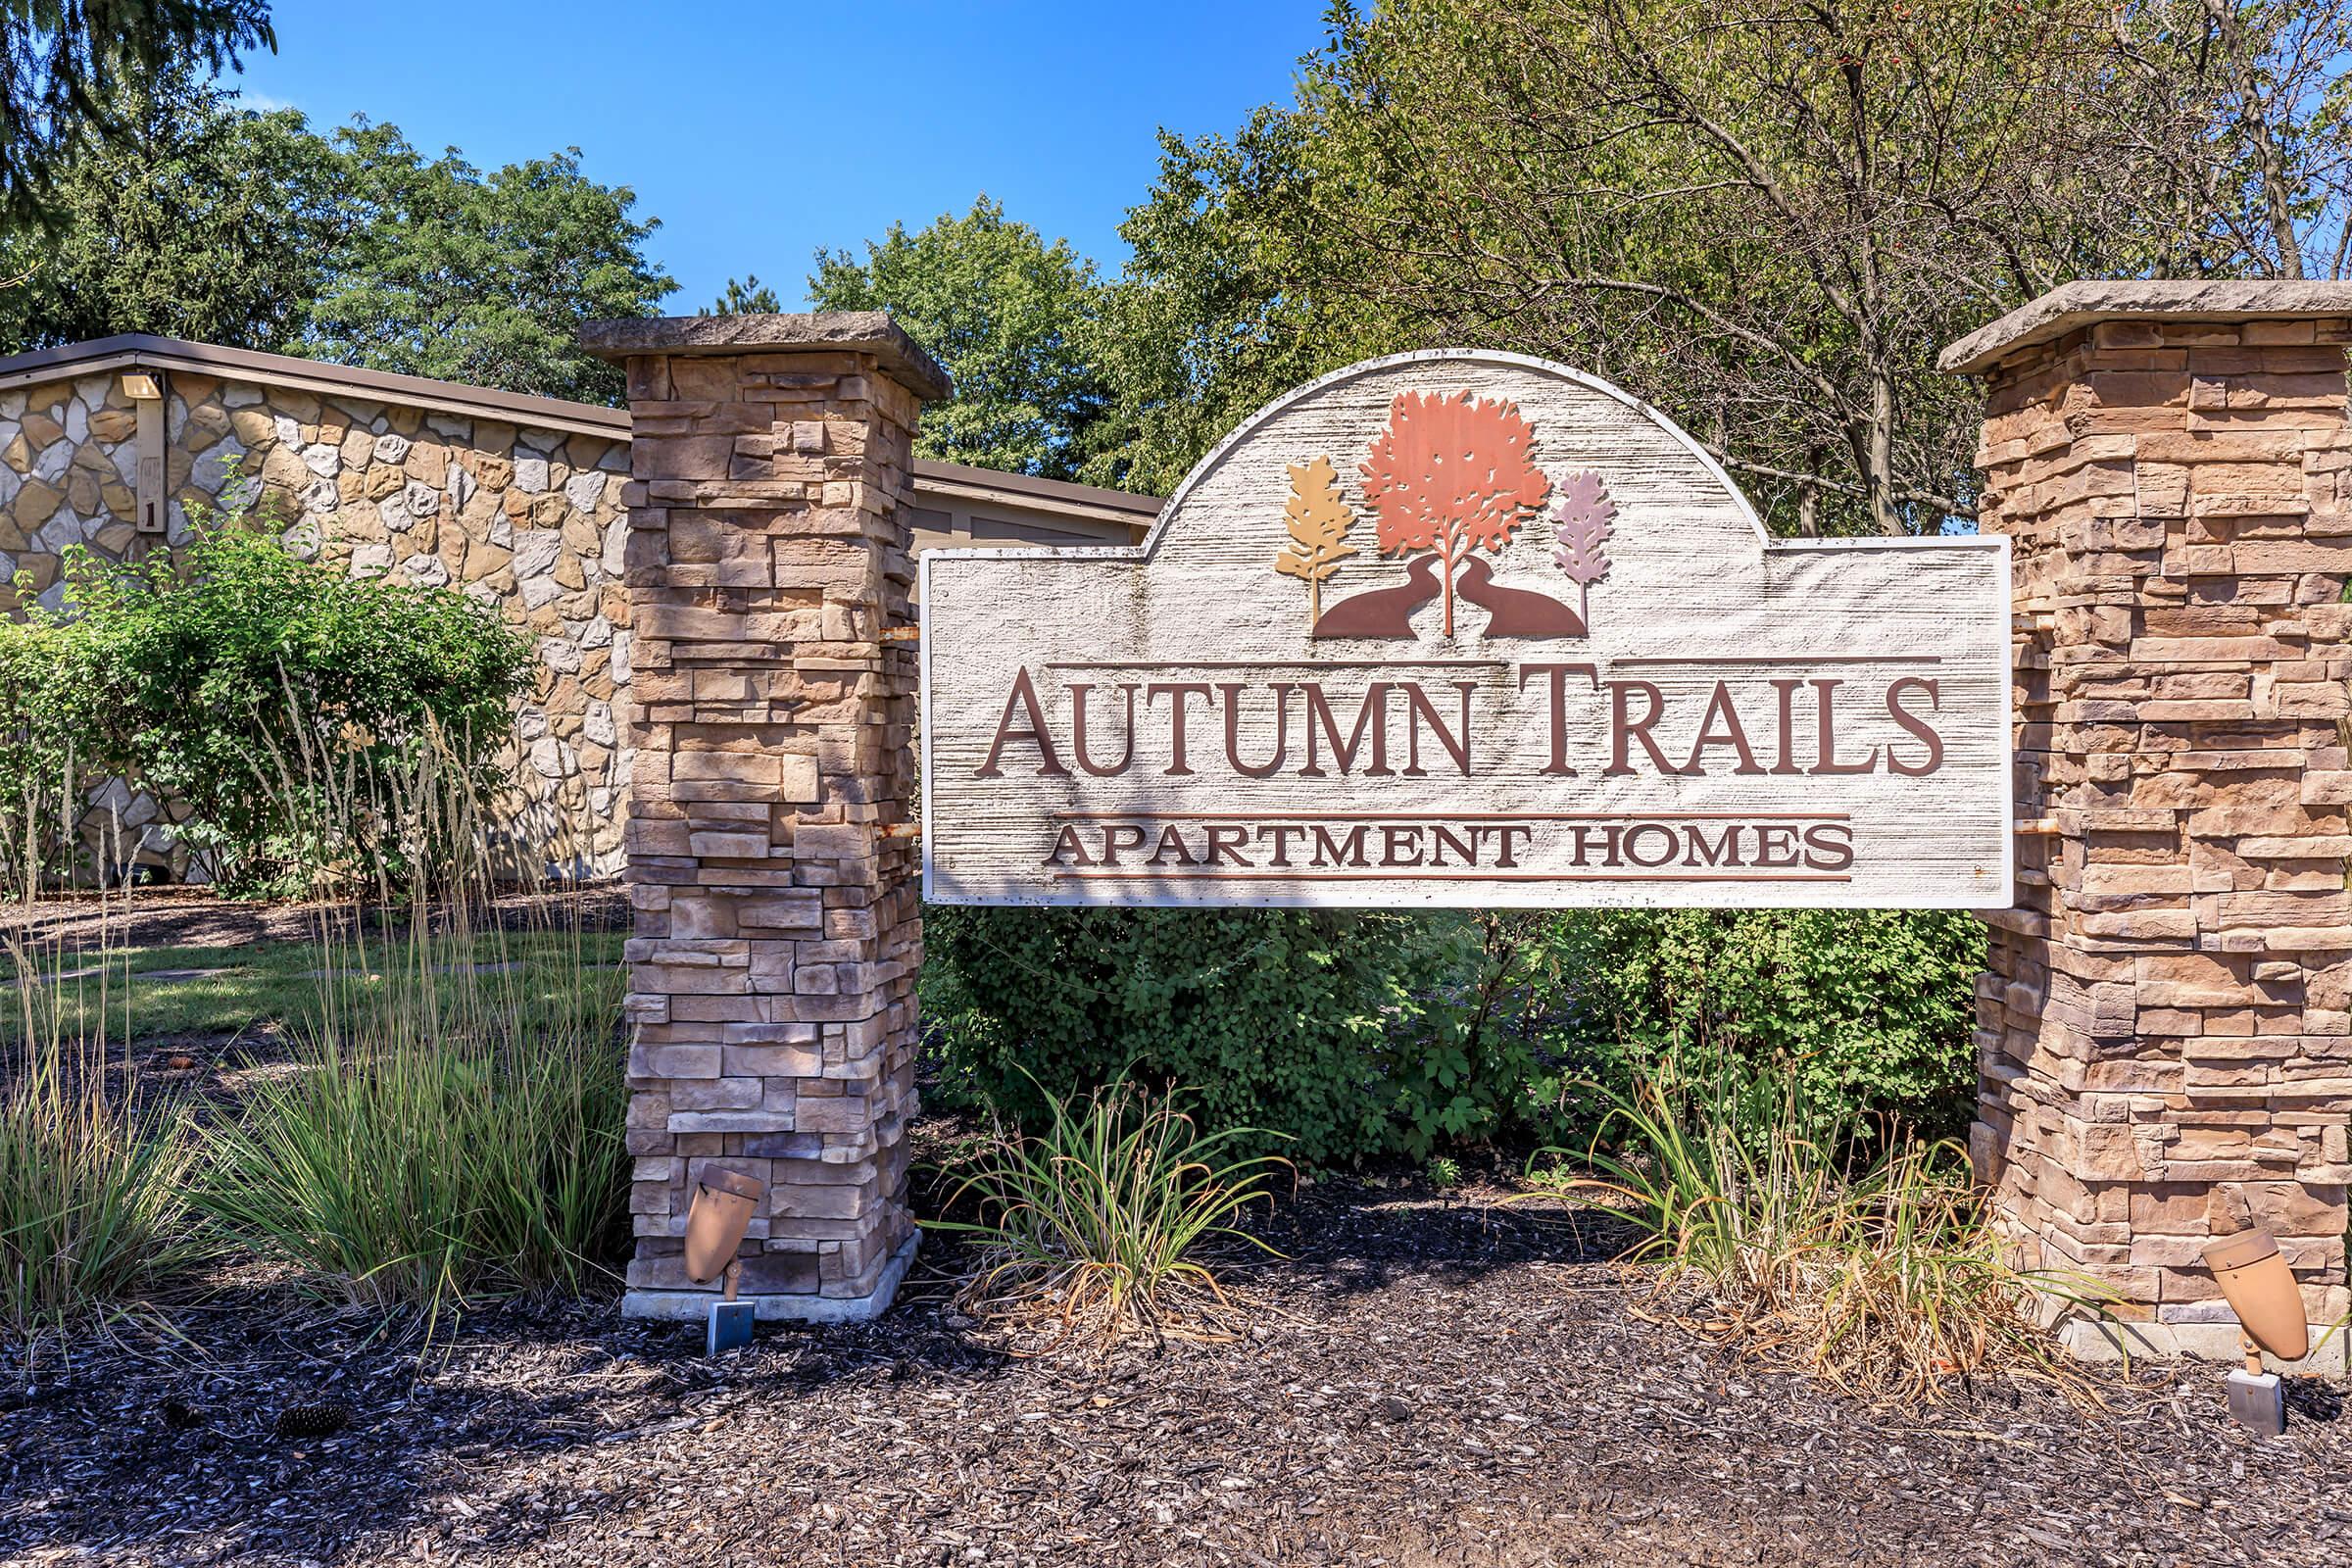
{"x":1556,"y":719}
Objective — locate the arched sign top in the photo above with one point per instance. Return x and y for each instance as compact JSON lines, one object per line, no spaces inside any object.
{"x":1466,"y":628}
{"x":1441,"y":361}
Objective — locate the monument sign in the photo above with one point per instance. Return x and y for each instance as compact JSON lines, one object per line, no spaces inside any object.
{"x":1467,"y":630}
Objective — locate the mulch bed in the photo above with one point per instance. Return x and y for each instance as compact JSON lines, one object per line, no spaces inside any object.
{"x":1430,"y":1382}
{"x":196,"y":917}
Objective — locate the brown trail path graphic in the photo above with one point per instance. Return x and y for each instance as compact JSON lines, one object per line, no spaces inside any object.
{"x":1515,"y":612}
{"x":1383,"y":611}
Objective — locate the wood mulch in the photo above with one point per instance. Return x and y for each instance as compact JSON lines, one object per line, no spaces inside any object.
{"x":196,"y":917}
{"x":1429,"y":1382}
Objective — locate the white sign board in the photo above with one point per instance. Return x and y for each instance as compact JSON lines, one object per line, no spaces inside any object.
{"x":1467,"y":630}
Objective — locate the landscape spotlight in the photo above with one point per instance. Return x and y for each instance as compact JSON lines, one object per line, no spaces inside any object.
{"x":724,"y":1201}
{"x":140,"y":386}
{"x":2261,"y":1289}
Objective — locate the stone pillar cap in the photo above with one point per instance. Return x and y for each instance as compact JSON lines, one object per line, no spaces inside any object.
{"x":817,"y":332}
{"x":2070,"y":307}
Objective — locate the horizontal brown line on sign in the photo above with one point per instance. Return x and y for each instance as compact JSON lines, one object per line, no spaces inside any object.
{"x":1280,"y":663}
{"x":1392,"y":875}
{"x":1781,"y":658}
{"x":1450,"y":816}
{"x":1486,"y":663}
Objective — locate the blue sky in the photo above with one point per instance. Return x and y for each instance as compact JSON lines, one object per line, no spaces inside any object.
{"x":757,"y":133}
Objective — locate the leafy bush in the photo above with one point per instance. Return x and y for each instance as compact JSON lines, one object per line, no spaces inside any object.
{"x":273,"y":695}
{"x":50,"y":740}
{"x":1310,"y":1025}
{"x":1872,"y":1008}
{"x":1359,"y":1033}
{"x":1092,"y":1223}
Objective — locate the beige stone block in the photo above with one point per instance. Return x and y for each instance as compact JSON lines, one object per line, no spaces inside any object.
{"x":675,"y":1060}
{"x":773,"y":1060}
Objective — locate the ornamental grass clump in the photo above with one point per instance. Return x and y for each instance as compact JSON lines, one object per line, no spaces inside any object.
{"x":94,"y":1176}
{"x":1869,"y":1265}
{"x":443,"y":1133}
{"x":93,"y":1188}
{"x":1095,"y":1228}
{"x":452,"y":1123}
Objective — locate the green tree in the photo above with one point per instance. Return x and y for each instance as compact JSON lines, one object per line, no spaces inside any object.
{"x":66,"y":64}
{"x":1014,"y":320}
{"x":198,"y":218}
{"x":441,"y":269}
{"x":745,"y":296}
{"x":1214,"y":315}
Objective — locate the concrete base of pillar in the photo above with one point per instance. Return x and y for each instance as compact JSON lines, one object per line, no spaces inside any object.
{"x":694,"y":1307}
{"x":2089,"y":1340}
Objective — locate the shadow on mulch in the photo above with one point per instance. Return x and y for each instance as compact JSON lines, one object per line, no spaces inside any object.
{"x":152,"y":1441}
{"x":2310,"y":1400}
{"x":1353,"y":1239}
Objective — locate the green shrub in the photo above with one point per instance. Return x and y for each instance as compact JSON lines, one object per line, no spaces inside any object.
{"x":52,"y":745}
{"x":1872,"y":1008}
{"x":274,"y":695}
{"x":1291,"y":1021}
{"x":1365,"y":1033}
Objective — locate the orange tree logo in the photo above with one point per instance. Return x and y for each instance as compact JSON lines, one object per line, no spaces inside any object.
{"x":1451,"y":475}
{"x":1447,"y":477}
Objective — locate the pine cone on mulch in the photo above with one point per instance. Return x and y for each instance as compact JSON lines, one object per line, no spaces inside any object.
{"x":321,"y":1418}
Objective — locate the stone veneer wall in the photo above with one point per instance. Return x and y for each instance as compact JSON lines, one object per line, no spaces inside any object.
{"x":778,"y":928}
{"x":2167,"y":1033}
{"x":525,"y":519}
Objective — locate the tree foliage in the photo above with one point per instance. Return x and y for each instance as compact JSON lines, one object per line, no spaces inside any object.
{"x":1014,"y":320}
{"x":196,"y":218}
{"x":1212,"y":318}
{"x":745,"y":296}
{"x":443,"y":269}
{"x":67,"y":66}
{"x":1763,"y":220}
{"x":207,"y":220}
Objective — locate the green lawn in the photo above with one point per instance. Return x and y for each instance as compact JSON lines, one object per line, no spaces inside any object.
{"x":169,"y":993}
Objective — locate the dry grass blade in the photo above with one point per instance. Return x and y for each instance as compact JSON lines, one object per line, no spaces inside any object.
{"x":1879,"y":1275}
{"x":1089,"y":1229}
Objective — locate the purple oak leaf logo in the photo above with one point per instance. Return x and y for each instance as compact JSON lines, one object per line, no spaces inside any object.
{"x":1580,"y":524}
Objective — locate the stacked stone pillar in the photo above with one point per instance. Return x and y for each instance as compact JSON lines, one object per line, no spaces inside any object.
{"x":2165,"y":1048}
{"x":777,"y":928}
